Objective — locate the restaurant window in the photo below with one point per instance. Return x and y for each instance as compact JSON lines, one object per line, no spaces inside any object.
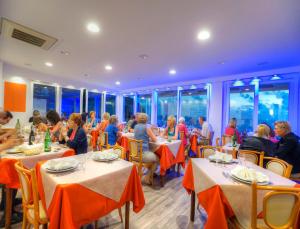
{"x":193,"y":105}
{"x":273,"y":103}
{"x":70,"y":101}
{"x":128,"y":107}
{"x":94,"y":103}
{"x":242,"y":106}
{"x":110,"y":104}
{"x":44,"y":98}
{"x":166,"y":105}
{"x":144,"y":105}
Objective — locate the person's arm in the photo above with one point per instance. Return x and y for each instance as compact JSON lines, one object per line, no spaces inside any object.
{"x":151,"y":135}
{"x":56,"y":127}
{"x":10,"y":143}
{"x":79,"y":139}
{"x":285,"y":148}
{"x":176,"y":133}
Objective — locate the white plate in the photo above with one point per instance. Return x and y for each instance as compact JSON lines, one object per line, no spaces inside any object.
{"x":248,"y":181}
{"x":13,"y":151}
{"x":61,"y":171}
{"x":221,"y":161}
{"x":104,"y":157}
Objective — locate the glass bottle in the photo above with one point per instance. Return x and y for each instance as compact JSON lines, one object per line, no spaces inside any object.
{"x":47,"y":142}
{"x":31,"y":136}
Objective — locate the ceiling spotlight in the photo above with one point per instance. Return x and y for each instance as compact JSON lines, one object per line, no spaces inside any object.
{"x":93,"y":27}
{"x":168,"y":88}
{"x":118,"y":82}
{"x":131,"y":93}
{"x":108,"y":67}
{"x":144,"y":56}
{"x":238,"y":83}
{"x":275,"y":77}
{"x":48,"y":64}
{"x":254,"y":81}
{"x":172,"y":72}
{"x":203,"y":35}
{"x":63,"y":52}
{"x":193,"y":87}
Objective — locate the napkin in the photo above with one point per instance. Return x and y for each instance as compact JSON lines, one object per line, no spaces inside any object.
{"x":61,"y":164}
{"x":249,"y":174}
{"x":221,"y":157}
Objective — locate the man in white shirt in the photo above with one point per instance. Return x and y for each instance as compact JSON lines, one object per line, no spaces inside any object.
{"x":206,"y":128}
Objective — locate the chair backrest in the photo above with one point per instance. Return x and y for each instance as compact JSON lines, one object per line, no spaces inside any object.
{"x":253,"y":156}
{"x":103,"y":139}
{"x":278,"y":166}
{"x":30,"y":195}
{"x":280,"y":206}
{"x":120,"y":151}
{"x":135,"y":150}
{"x":206,"y":151}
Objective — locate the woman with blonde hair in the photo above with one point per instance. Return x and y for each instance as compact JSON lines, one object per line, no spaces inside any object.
{"x":170,"y":130}
{"x":288,"y":147}
{"x":259,"y":141}
{"x":231,"y":129}
{"x":104,"y":123}
{"x":92,"y":121}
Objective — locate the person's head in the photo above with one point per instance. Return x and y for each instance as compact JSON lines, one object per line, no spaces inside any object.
{"x":113,"y":120}
{"x":37,"y":120}
{"x":36,"y":113}
{"x":202,"y":119}
{"x":282,"y":128}
{"x":5,"y":117}
{"x":53,"y":117}
{"x":272,"y":133}
{"x":92,"y":114}
{"x":142,"y":118}
{"x":263,"y":131}
{"x":181,"y":120}
{"x":232,"y":123}
{"x":171,"y":121}
{"x":74,"y":120}
{"x":105,"y":116}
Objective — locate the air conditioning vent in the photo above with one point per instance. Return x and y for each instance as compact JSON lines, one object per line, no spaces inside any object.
{"x":11,"y":29}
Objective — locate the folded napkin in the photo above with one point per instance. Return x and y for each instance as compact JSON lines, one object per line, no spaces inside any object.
{"x":249,"y":174}
{"x":105,"y":155}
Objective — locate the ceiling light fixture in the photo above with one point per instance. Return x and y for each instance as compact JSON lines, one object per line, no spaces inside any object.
{"x":203,"y":35}
{"x":275,"y":77}
{"x":193,"y":87}
{"x":93,"y":27}
{"x":238,"y":83}
{"x":118,"y":82}
{"x":172,"y":72}
{"x":108,"y":67}
{"x":48,"y":64}
{"x":144,"y":56}
{"x":63,"y":52}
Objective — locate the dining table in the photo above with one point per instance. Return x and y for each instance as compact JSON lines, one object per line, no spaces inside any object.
{"x":220,"y":195}
{"x":94,"y":189}
{"x":9,"y":177}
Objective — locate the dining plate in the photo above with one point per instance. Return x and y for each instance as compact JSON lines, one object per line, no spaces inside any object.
{"x":61,"y":165}
{"x":104,"y":157}
{"x":221,"y":161}
{"x":61,"y":170}
{"x":247,"y":181}
{"x":13,"y":151}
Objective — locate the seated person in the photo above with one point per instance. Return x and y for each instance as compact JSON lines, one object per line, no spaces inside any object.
{"x":75,"y":137}
{"x":133,"y":123}
{"x":205,"y":132}
{"x":92,"y":121}
{"x":170,"y":130}
{"x":104,"y":123}
{"x":259,"y":141}
{"x":35,"y":113}
{"x":181,"y":128}
{"x":288,"y":147}
{"x":143,"y":132}
{"x":231,"y":129}
{"x":112,"y":130}
{"x":55,"y":123}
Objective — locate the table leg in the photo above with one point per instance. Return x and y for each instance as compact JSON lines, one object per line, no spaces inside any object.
{"x":127,"y":210}
{"x":8,"y":207}
{"x":192,"y":216}
{"x":162,"y":180}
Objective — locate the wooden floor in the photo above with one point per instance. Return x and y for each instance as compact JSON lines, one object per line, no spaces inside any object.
{"x":167,"y":207}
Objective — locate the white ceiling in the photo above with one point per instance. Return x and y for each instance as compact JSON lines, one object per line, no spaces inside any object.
{"x":244,"y":34}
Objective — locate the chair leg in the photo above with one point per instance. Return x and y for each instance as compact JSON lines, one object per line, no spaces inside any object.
{"x":120,"y":214}
{"x":45,"y":226}
{"x":24,"y":223}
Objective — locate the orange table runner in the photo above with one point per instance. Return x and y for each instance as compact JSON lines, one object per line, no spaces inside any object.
{"x":73,"y":205}
{"x":9,"y":175}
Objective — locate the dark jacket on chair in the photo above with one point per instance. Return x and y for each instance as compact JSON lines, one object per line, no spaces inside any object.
{"x":79,"y":143}
{"x":258,"y":144}
{"x":288,"y":149}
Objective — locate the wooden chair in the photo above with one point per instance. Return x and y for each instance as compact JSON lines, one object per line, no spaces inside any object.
{"x":136,"y":157}
{"x":103,"y":141}
{"x":120,"y":151}
{"x":206,"y":151}
{"x":278,"y":166}
{"x":280,"y":207}
{"x":33,"y":210}
{"x":253,"y":156}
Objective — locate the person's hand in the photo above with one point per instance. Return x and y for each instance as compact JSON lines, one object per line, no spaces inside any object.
{"x":12,"y":142}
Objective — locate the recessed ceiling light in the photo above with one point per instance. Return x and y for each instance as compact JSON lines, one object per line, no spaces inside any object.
{"x":144,"y":56}
{"x":203,"y":35}
{"x":63,"y":52}
{"x":238,"y":83}
{"x":28,"y":64}
{"x":93,"y":27}
{"x":172,"y":71}
{"x":221,"y":62}
{"x":48,"y":64}
{"x":108,"y":67}
{"x":118,"y":82}
{"x":275,"y":77}
{"x":131,"y":93}
{"x":86,"y":75}
{"x":193,"y":87}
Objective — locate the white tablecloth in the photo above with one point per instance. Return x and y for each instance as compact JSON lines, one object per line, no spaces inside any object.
{"x":208,"y":174}
{"x":106,"y":178}
{"x":173,"y":145}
